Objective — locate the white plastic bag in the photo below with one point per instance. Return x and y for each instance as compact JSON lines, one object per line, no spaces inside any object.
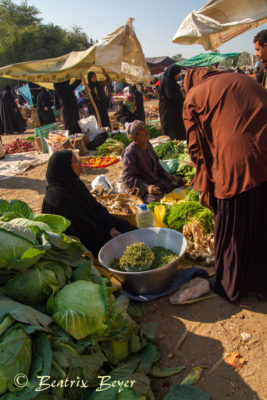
{"x":101,"y":180}
{"x":191,"y":290}
{"x":91,"y":124}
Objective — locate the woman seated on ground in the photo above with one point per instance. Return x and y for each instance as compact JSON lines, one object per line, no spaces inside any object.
{"x":142,"y":169}
{"x":125,"y":114}
{"x":68,"y":196}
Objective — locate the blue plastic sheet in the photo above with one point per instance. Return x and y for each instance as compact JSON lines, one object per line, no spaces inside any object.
{"x":181,"y":277}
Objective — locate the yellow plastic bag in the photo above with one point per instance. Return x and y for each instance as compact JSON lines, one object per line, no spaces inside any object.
{"x":175,"y":195}
{"x":159,"y":213}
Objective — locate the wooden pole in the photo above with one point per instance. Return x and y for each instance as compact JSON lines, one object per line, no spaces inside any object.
{"x":89,"y":94}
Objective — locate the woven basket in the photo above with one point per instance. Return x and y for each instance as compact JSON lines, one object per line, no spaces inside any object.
{"x":126,"y":204}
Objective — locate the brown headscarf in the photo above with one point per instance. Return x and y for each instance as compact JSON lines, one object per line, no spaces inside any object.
{"x":196,"y":75}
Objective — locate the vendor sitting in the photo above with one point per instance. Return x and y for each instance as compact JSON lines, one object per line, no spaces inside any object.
{"x":68,"y":196}
{"x":125,"y":114}
{"x":142,"y":169}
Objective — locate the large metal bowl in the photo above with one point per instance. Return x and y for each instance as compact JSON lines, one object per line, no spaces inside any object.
{"x":145,"y":282}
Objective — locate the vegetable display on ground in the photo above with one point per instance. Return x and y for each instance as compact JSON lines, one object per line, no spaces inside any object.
{"x":194,"y":221}
{"x":19,"y":146}
{"x":110,"y":147}
{"x":99,"y":162}
{"x":61,"y":319}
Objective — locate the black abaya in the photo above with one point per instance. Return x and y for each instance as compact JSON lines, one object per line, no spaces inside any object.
{"x":10,"y":115}
{"x":139,"y":112}
{"x":100,"y":100}
{"x":171,"y":105}
{"x":240,"y":237}
{"x":68,"y":104}
{"x":68,"y":196}
{"x":45,"y":112}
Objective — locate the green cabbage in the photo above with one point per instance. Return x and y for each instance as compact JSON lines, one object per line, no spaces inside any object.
{"x":17,"y":206}
{"x":80,"y":308}
{"x":15,"y":357}
{"x":57,"y":223}
{"x":19,"y":247}
{"x":34,"y":286}
{"x":16,"y":209}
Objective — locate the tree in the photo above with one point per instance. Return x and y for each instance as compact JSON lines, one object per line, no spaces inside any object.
{"x":23,"y":36}
{"x":178,"y":57}
{"x":244,"y":59}
{"x":76,"y":40}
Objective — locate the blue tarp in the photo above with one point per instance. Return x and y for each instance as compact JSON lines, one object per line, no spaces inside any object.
{"x":26,"y":93}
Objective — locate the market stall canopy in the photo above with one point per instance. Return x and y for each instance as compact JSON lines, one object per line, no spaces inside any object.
{"x":208,"y":59}
{"x":118,"y":55}
{"x":219,"y":21}
{"x":158,"y":64}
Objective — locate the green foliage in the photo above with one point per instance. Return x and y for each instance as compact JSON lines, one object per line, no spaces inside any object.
{"x":24,"y":37}
{"x":192,"y":196}
{"x":169,"y":150}
{"x":179,"y":214}
{"x":110,"y":146}
{"x":187,"y":171}
{"x":136,"y":257}
{"x":120,"y":137}
{"x":153,"y":131}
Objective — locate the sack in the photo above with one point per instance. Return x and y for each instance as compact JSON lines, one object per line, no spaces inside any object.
{"x":80,"y":142}
{"x":91,"y":124}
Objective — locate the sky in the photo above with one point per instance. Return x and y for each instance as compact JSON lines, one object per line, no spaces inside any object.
{"x":156,"y":22}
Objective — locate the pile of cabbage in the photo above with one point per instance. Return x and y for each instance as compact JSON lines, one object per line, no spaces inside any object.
{"x":61,"y":327}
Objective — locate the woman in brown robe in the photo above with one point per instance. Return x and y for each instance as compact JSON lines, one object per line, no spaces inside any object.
{"x":225,"y":117}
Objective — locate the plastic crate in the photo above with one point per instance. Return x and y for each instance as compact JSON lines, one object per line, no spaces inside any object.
{"x":43,"y":133}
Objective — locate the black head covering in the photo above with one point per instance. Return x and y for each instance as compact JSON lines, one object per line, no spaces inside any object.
{"x":169,"y":78}
{"x":90,"y":83}
{"x":7,"y":88}
{"x":132,"y":89}
{"x":61,"y":87}
{"x":59,"y":170}
{"x":63,"y":183}
{"x":172,"y":70}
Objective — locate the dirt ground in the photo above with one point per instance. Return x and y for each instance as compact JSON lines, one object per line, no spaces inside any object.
{"x":213,"y":326}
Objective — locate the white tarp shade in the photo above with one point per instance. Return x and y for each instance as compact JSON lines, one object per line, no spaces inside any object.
{"x":219,"y":21}
{"x":119,"y":54}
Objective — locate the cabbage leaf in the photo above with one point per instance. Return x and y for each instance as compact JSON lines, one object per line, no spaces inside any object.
{"x":34,"y":286}
{"x":15,"y":357}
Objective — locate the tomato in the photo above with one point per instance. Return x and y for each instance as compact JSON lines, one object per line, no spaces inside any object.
{"x":99,"y":162}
